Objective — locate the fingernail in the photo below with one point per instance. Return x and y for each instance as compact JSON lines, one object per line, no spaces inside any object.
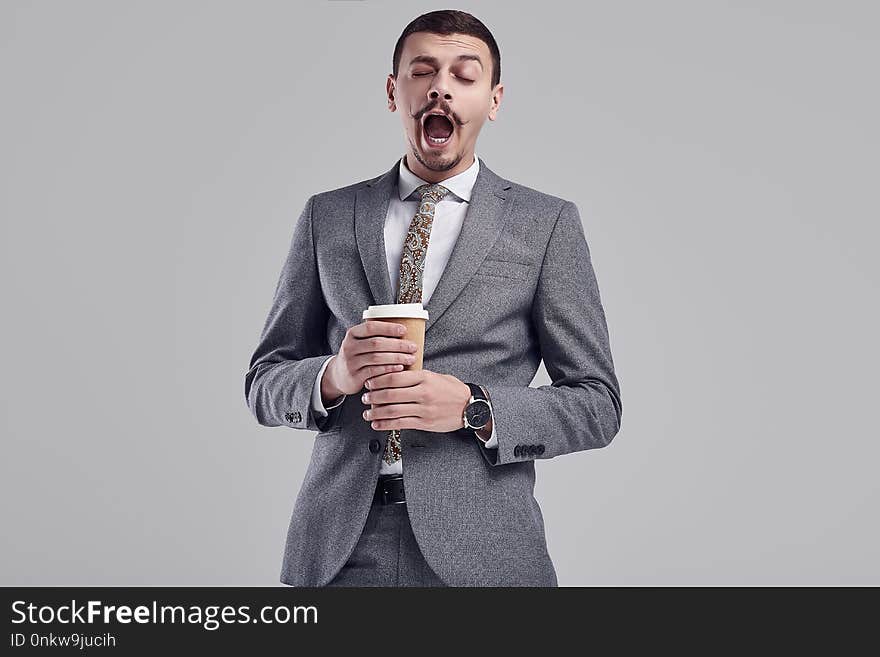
{"x":366,"y":415}
{"x":365,"y":398}
{"x":367,"y":383}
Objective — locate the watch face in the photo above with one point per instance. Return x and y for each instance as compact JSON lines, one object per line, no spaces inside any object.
{"x":478,"y":413}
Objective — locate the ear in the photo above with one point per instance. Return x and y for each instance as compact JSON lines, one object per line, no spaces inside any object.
{"x":389,"y":91}
{"x":497,"y":93}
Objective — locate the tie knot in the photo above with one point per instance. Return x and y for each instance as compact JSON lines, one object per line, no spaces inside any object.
{"x":433,"y":192}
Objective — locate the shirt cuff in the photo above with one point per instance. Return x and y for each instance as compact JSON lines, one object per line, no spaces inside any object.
{"x":493,"y":439}
{"x":317,"y":403}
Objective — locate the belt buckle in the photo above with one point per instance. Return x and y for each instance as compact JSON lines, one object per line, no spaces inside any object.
{"x":386,"y":493}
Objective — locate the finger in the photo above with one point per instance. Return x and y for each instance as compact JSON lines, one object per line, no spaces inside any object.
{"x":376,"y":370}
{"x":398,"y":423}
{"x":377,"y":327}
{"x":382,"y":358}
{"x":379,"y":343}
{"x":392,"y":395}
{"x":391,"y":411}
{"x":394,"y":380}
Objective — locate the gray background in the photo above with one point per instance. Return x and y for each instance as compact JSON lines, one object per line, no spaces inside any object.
{"x":153,"y":159}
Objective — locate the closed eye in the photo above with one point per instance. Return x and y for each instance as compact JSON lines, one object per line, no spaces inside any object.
{"x":418,"y":75}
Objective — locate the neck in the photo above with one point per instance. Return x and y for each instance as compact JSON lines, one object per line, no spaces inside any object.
{"x":431,"y":176}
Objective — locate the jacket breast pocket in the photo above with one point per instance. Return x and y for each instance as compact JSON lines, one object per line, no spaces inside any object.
{"x":505,"y":269}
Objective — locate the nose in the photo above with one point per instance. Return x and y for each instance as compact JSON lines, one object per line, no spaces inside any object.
{"x":438,"y":89}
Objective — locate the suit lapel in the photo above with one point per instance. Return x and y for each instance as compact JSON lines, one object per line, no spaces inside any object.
{"x":370,"y":208}
{"x":483,"y":223}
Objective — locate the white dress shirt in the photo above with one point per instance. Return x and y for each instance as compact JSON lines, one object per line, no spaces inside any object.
{"x":448,"y":217}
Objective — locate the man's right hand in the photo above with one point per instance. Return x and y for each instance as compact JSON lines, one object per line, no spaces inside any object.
{"x":370,"y":348}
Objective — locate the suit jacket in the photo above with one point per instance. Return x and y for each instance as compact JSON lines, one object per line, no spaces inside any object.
{"x":519,"y":286}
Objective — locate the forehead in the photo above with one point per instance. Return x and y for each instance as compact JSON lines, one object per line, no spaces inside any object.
{"x":445,"y":47}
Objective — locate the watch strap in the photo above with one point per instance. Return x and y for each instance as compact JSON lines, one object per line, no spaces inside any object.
{"x":477,"y":391}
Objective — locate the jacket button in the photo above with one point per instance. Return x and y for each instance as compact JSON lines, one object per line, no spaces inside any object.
{"x":374,"y":446}
{"x":530,"y":449}
{"x":541,"y":448}
{"x":517,"y":450}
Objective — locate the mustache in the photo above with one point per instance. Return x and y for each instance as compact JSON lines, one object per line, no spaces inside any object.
{"x":443,"y":107}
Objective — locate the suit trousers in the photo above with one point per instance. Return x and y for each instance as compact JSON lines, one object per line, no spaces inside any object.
{"x":386,"y":553}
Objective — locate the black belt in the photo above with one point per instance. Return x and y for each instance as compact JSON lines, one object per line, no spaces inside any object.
{"x":389,"y":490}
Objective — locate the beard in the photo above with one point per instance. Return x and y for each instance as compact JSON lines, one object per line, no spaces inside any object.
{"x":435,"y":162}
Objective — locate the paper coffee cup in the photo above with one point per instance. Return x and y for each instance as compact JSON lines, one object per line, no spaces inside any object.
{"x":411,"y":315}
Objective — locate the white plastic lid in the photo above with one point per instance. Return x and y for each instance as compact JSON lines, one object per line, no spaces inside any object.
{"x":414,"y":310}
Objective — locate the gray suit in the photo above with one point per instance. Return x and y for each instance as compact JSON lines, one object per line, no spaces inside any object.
{"x":519,"y":286}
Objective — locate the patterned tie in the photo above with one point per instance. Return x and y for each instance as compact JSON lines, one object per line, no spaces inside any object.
{"x":412,"y":269}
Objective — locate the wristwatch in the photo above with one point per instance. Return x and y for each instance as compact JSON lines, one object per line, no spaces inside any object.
{"x":478,"y":411}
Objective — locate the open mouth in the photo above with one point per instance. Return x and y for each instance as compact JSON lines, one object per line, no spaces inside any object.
{"x":437,"y":129}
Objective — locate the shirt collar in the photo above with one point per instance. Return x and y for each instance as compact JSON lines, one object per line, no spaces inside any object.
{"x":460,"y":184}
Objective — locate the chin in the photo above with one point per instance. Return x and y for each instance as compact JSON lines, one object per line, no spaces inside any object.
{"x":442,"y":163}
{"x":436,"y":161}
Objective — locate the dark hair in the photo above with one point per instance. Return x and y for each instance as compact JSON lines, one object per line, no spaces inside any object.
{"x":449,"y":21}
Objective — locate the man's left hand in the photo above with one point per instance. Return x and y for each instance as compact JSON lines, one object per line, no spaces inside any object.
{"x":416,"y":399}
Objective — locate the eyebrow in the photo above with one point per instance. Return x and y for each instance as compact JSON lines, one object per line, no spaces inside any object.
{"x":427,"y":59}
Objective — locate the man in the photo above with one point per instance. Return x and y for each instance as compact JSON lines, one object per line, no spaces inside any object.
{"x":505,"y":274}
